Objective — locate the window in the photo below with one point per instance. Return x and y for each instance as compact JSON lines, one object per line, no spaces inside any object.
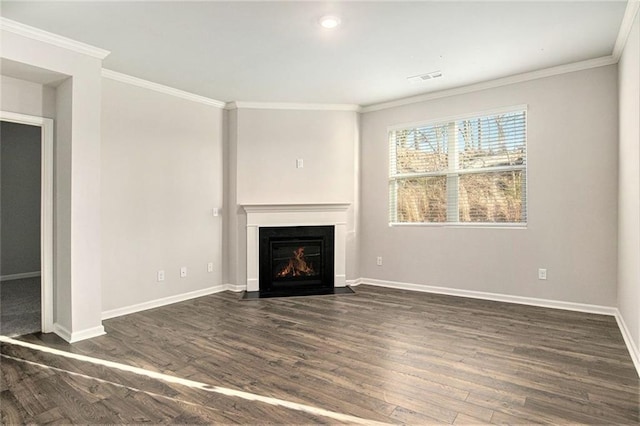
{"x":467,"y":170}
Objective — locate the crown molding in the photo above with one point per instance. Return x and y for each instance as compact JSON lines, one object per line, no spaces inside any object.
{"x":50,"y":38}
{"x":505,"y":81}
{"x":625,"y":27}
{"x":135,"y":81}
{"x":293,"y":106}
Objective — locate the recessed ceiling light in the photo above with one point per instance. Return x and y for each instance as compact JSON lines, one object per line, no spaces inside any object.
{"x":329,"y":21}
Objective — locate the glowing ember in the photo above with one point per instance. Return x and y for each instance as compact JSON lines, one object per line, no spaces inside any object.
{"x":297,"y":266}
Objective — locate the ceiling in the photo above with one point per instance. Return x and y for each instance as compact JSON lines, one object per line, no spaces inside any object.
{"x":277,"y":52}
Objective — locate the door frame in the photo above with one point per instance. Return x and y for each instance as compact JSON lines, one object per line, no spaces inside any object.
{"x":46,"y":210}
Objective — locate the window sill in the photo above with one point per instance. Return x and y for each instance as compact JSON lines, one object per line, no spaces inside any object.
{"x":460,"y":225}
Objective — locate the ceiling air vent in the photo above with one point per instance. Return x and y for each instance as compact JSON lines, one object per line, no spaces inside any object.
{"x":425,"y":77}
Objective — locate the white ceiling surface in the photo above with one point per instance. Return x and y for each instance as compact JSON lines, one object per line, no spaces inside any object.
{"x":277,"y":52}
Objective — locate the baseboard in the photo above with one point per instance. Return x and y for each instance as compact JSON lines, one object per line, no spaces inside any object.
{"x":62,"y":331}
{"x":77,"y":336}
{"x":631,"y":346}
{"x":353,"y":283}
{"x":532,"y":301}
{"x":235,"y":287}
{"x":545,"y":303}
{"x":73,"y":337}
{"x":163,"y":301}
{"x":20,"y":276}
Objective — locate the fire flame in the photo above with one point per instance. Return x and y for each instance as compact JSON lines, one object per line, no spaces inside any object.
{"x":297,"y":266}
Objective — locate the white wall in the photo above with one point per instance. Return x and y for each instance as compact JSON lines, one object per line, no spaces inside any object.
{"x":20,"y":193}
{"x":629,"y":187}
{"x":26,"y":97}
{"x":77,"y":285}
{"x":264,"y":147}
{"x":572,"y":227}
{"x":272,"y":140}
{"x":162,"y":175}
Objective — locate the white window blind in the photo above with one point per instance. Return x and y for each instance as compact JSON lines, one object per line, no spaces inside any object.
{"x":470,"y":170}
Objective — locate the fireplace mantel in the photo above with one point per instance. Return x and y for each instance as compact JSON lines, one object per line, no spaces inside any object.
{"x":286,"y":208}
{"x":300,"y":214}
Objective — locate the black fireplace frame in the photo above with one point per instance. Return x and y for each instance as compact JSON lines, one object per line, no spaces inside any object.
{"x":324,"y":284}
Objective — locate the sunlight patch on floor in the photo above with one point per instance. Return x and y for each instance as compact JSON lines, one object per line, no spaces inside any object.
{"x":192,"y":384}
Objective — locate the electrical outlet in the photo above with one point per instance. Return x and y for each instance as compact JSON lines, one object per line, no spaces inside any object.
{"x":160,"y":276}
{"x":183,"y":272}
{"x":210,"y":267}
{"x":379,"y":261}
{"x":299,"y":163}
{"x":542,"y":274}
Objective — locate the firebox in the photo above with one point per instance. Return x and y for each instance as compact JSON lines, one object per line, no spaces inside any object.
{"x":296,"y":260}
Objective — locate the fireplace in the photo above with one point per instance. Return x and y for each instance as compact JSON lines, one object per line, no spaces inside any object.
{"x":263,"y":216}
{"x":296,"y":260}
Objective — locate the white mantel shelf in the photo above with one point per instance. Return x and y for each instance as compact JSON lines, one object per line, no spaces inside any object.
{"x":301,"y":207}
{"x":300,"y":214}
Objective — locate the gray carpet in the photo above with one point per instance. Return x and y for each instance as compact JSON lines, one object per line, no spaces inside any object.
{"x":20,"y":307}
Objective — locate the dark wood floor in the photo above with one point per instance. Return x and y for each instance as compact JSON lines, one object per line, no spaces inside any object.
{"x":381,"y":355}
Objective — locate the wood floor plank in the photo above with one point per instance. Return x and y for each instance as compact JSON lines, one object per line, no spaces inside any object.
{"x":410,"y":417}
{"x":305,"y":389}
{"x":12,"y":412}
{"x":31,"y":399}
{"x":501,"y":418}
{"x":54,"y":416}
{"x":382,"y":355}
{"x":464,"y":419}
{"x":494,"y":399}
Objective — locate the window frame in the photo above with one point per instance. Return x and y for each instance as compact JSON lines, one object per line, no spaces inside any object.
{"x":454,"y":173}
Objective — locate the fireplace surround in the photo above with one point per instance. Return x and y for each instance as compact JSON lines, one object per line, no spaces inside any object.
{"x":261,"y":216}
{"x":296,"y":260}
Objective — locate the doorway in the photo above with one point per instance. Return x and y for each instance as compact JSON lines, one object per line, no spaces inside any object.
{"x":26,"y":258}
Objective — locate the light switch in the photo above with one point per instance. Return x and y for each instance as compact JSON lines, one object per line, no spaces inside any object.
{"x":299,"y":163}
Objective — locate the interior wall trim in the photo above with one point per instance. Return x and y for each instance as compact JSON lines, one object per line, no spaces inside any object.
{"x":73,"y":337}
{"x":235,"y":287}
{"x":293,"y":106}
{"x":497,"y":297}
{"x":135,"y":81}
{"x":50,"y":38}
{"x":89,"y":333}
{"x":631,"y":346}
{"x":625,"y":28}
{"x":156,"y":303}
{"x":490,"y":84}
{"x":62,"y":331}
